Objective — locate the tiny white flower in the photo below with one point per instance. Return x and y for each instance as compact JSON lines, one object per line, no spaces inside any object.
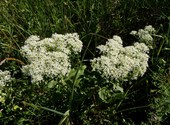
{"x":117,"y":39}
{"x":4,"y":77}
{"x":49,"y":57}
{"x":121,"y":63}
{"x":133,"y":32}
{"x":32,"y":38}
{"x":145,"y":35}
{"x":150,"y":29}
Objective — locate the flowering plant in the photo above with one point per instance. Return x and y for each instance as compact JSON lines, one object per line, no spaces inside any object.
{"x":49,"y":61}
{"x":50,"y":57}
{"x":145,"y":35}
{"x":4,"y":77}
{"x":121,"y":63}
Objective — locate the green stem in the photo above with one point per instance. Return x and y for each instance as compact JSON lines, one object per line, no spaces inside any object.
{"x":48,"y":109}
{"x":134,"y":108}
{"x":75,"y":78}
{"x":124,"y":96}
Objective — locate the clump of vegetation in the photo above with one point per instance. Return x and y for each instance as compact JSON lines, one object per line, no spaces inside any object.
{"x":88,"y":77}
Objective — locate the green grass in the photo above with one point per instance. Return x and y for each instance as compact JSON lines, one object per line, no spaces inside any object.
{"x":95,"y":21}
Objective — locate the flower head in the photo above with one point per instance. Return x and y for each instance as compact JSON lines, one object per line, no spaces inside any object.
{"x":49,"y":57}
{"x":150,"y":29}
{"x":145,"y":35}
{"x":121,"y":63}
{"x":4,"y":77}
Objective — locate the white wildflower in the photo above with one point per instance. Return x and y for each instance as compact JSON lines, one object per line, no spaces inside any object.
{"x":121,"y":63}
{"x":141,"y":47}
{"x":150,"y":29}
{"x":49,"y":57}
{"x":133,"y":32}
{"x":32,"y":38}
{"x":145,"y":35}
{"x":4,"y":77}
{"x":112,"y":47}
{"x":117,"y":39}
{"x":69,"y":43}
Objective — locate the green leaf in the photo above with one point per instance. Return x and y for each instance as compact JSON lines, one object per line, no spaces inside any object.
{"x":65,"y":118}
{"x":45,"y":108}
{"x":118,"y":88}
{"x":51,"y":84}
{"x":104,"y":94}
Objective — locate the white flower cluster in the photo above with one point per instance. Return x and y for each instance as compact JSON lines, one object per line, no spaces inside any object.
{"x":121,"y":63}
{"x":49,"y":57}
{"x":69,"y":43}
{"x":145,"y":35}
{"x":4,"y":77}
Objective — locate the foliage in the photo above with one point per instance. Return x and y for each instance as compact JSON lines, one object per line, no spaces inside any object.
{"x":83,"y":96}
